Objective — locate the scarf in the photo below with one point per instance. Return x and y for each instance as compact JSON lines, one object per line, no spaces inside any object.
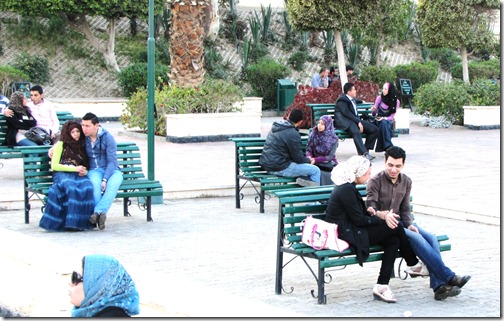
{"x":16,"y":103}
{"x":320,"y":143}
{"x":74,"y":151}
{"x":390,"y":99}
{"x":355,"y":166}
{"x":106,"y":284}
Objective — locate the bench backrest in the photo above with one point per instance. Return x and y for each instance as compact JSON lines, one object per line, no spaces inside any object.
{"x":319,"y":110}
{"x":37,"y":164}
{"x":63,"y":116}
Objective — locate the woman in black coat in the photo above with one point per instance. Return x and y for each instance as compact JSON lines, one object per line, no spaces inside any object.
{"x":360,"y":229}
{"x":20,"y":122}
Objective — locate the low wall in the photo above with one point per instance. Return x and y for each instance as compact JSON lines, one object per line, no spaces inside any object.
{"x":482,"y":117}
{"x":106,"y":109}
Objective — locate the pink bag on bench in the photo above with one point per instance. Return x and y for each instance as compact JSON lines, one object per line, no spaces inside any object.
{"x":320,"y":235}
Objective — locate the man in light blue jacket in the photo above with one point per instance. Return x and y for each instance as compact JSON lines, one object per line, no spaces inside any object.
{"x":104,"y":170}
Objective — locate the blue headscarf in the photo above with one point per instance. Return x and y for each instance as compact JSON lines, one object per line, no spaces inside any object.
{"x":320,"y":143}
{"x":106,"y":284}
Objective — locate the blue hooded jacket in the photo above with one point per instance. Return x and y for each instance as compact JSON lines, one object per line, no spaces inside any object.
{"x":103,"y":153}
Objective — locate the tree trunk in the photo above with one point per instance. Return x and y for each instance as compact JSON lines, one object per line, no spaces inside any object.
{"x":186,"y":45}
{"x":378,"y":53}
{"x":212,"y":20}
{"x":465,"y":66}
{"x":81,"y":25}
{"x":341,"y":58}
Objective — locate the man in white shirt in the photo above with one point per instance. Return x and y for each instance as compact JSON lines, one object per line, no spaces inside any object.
{"x":42,"y":110}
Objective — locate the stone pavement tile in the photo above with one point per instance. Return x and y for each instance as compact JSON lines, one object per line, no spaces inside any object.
{"x":211,"y":244}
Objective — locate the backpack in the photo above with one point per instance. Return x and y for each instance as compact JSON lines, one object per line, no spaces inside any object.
{"x":39,"y":135}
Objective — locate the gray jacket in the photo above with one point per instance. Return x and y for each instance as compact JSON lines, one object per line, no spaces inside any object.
{"x":282,"y":147}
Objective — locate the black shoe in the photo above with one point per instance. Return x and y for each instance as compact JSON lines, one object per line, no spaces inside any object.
{"x":101,"y":221}
{"x":93,"y":218}
{"x":459,"y":280}
{"x":445,"y":291}
{"x":368,"y":156}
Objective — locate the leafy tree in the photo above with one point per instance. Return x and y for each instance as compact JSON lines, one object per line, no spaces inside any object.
{"x":457,"y":24}
{"x":337,"y":15}
{"x":75,"y":12}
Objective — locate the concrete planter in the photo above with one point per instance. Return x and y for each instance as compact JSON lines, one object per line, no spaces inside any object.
{"x":105,"y":109}
{"x":482,"y":117}
{"x":251,"y":105}
{"x":402,"y":120}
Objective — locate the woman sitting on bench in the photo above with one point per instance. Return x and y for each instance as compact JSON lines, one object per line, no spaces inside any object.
{"x":321,"y":146}
{"x":356,"y":226}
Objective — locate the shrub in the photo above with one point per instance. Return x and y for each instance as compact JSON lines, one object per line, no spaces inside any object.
{"x":36,"y":67}
{"x":8,"y":74}
{"x":263,"y":76}
{"x":135,"y":76}
{"x":378,"y":74}
{"x":446,"y":57}
{"x":442,"y":99}
{"x":487,"y":69}
{"x":212,"y":96}
{"x":484,"y":92}
{"x":419,"y":74}
{"x":297,"y":60}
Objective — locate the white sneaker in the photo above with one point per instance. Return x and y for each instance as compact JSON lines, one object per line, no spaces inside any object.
{"x":384,"y":293}
{"x":420,"y":269}
{"x":305,"y":182}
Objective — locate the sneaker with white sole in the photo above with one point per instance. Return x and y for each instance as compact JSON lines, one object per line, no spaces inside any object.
{"x":420,"y":269}
{"x":305,"y":182}
{"x":384,"y":293}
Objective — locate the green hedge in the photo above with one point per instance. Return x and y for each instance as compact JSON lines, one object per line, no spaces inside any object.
{"x":419,"y":74}
{"x":134,"y":76}
{"x":378,"y":74}
{"x":484,"y":92}
{"x":263,"y":77}
{"x":485,"y":69}
{"x":36,"y":67}
{"x":9,"y":74}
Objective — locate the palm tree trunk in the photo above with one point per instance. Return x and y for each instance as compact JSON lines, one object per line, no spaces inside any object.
{"x":186,"y":45}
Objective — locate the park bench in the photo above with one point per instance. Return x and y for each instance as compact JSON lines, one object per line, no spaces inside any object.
{"x":294,"y":206}
{"x":319,"y":110}
{"x":38,"y":177}
{"x":7,"y":152}
{"x":247,"y":153}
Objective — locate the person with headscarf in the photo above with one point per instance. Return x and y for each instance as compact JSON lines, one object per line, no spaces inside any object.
{"x":360,"y":229}
{"x":70,"y":201}
{"x":321,"y":146}
{"x":21,"y":121}
{"x":101,"y":287}
{"x":384,"y":110}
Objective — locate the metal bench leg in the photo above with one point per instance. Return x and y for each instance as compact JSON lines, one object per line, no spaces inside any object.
{"x":125,"y":207}
{"x":149,"y":217}
{"x":320,"y":283}
{"x":237,"y":193}
{"x":261,"y":202}
{"x":26,"y":203}
{"x":279,"y":262}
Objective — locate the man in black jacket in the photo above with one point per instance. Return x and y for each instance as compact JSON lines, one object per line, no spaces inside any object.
{"x":347,"y":118}
{"x":282,"y":153}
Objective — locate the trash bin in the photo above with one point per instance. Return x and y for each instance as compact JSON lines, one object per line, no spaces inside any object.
{"x":286,"y":91}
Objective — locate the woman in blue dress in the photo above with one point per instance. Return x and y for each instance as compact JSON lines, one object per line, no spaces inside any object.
{"x":70,"y":200}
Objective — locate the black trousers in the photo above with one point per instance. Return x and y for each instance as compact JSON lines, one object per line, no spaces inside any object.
{"x":371,"y":132}
{"x":391,"y":240}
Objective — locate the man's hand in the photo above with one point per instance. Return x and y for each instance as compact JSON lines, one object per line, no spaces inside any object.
{"x":371,"y":211}
{"x":8,"y":112}
{"x":390,"y":218}
{"x":312,"y":160}
{"x":361,"y":128}
{"x":50,"y":152}
{"x":81,"y":170}
{"x":103,"y":186}
{"x":413,"y":228}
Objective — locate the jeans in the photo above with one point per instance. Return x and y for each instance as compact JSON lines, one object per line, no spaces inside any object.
{"x":309,"y":171}
{"x":426,"y":247}
{"x":104,"y":201}
{"x":26,"y":142}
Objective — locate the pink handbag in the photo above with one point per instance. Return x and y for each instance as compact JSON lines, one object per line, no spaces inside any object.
{"x":320,"y":235}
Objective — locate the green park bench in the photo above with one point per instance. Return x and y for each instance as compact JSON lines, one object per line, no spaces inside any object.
{"x":294,"y":206}
{"x":38,"y":177}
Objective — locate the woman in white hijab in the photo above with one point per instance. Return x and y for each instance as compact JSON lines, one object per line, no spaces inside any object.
{"x":360,"y":229}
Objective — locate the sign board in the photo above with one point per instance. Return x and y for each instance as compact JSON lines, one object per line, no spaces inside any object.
{"x":406,"y":88}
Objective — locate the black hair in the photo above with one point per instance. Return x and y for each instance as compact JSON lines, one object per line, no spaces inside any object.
{"x":395,"y":152}
{"x":92,"y":117}
{"x":37,"y":88}
{"x":296,"y":115}
{"x":347,"y":87}
{"x":349,"y":67}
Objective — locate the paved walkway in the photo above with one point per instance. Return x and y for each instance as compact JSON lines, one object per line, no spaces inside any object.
{"x":203,"y":257}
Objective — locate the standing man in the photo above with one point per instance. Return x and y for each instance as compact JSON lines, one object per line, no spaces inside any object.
{"x":282,"y":153}
{"x":320,"y":80}
{"x":42,"y":110}
{"x":390,"y":190}
{"x":347,"y":118}
{"x":104,"y":170}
